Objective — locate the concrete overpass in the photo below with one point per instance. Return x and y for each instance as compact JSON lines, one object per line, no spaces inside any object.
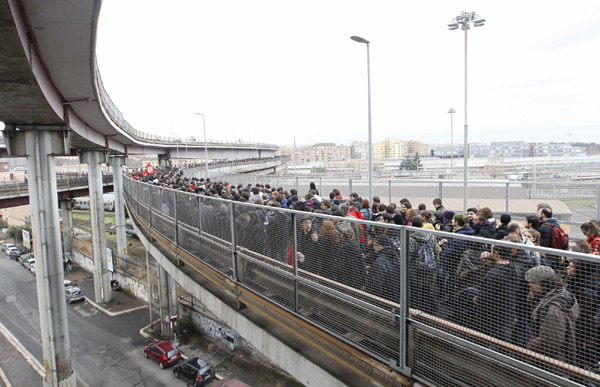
{"x":53,"y":103}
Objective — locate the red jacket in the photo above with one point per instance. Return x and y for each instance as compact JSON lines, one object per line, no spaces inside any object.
{"x":358,"y":215}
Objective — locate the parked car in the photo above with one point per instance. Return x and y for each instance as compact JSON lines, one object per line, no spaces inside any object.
{"x":163,"y":352}
{"x":194,"y":370}
{"x":11,"y":249}
{"x":14,"y":255}
{"x":31,"y":267}
{"x":32,"y":270}
{"x":24,"y":258}
{"x":7,"y":245}
{"x":229,"y":383}
{"x":29,"y":262}
{"x":68,"y":283}
{"x":73,"y":294}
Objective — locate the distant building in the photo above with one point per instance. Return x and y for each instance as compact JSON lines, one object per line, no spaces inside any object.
{"x":320,"y":153}
{"x":389,"y":149}
{"x":511,"y":149}
{"x":360,"y":150}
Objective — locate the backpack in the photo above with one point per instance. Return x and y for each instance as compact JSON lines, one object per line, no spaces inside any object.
{"x":560,"y":239}
{"x":426,"y":257}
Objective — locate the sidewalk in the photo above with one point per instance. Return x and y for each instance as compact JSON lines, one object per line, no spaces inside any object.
{"x":121,"y":301}
{"x":237,"y":363}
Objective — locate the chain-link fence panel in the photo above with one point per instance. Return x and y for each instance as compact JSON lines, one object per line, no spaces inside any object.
{"x":145,"y":205}
{"x":215,"y":228}
{"x":533,"y":305}
{"x":188,"y":222}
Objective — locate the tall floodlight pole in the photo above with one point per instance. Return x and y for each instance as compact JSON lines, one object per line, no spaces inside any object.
{"x":464,"y":20}
{"x":205,"y":144}
{"x":361,"y":40}
{"x":451,"y":111}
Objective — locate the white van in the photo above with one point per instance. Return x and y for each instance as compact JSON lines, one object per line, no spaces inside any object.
{"x":7,"y":245}
{"x":11,"y":248}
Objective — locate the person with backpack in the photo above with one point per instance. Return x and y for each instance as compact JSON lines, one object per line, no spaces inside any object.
{"x":423,"y":255}
{"x":552,"y":235}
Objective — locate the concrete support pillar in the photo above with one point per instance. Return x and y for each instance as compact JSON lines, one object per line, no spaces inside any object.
{"x":40,"y":147}
{"x":163,"y":302}
{"x":163,"y":160}
{"x":102,"y":289}
{"x":66,"y":210}
{"x":173,"y":298}
{"x":117,"y":165}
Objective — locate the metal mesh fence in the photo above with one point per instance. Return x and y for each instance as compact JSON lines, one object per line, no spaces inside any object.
{"x":478,"y":311}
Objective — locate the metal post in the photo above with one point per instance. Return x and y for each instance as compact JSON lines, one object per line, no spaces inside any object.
{"x":149,"y":291}
{"x":466,"y":145}
{"x":440,"y":190}
{"x":507,"y":196}
{"x":370,"y":136}
{"x":175,"y":217}
{"x":403,"y":353}
{"x":119,"y":206}
{"x":150,"y":207}
{"x":598,"y":201}
{"x":163,"y":301}
{"x":295,"y":260}
{"x":296,"y":183}
{"x":233,"y":243}
{"x":321,"y":187}
{"x":390,"y":190}
{"x":200,"y":225}
{"x":350,"y":187}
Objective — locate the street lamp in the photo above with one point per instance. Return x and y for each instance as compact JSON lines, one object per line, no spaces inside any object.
{"x":361,"y":40}
{"x":205,"y":145}
{"x":451,"y":111}
{"x":464,"y":20}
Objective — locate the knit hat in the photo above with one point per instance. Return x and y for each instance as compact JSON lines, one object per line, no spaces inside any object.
{"x":300,"y":206}
{"x":448,"y":214}
{"x":336,"y":202}
{"x":539,"y":274}
{"x":345,"y":208}
{"x":505,"y":219}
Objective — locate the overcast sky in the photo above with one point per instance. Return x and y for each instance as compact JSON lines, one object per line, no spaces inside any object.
{"x":271,"y":70}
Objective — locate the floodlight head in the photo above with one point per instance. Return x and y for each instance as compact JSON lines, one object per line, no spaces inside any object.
{"x":359,"y":39}
{"x":479,"y":23}
{"x":454,"y":27}
{"x":451,"y":110}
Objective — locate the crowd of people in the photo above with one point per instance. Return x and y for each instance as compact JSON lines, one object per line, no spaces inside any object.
{"x":537,"y":300}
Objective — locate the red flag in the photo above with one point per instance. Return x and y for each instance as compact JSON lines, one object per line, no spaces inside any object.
{"x":150,"y":169}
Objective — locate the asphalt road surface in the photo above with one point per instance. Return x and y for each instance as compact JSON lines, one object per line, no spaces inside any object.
{"x":105,"y":351}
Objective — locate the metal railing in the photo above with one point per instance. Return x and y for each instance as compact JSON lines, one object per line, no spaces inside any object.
{"x":64,"y":182}
{"x":444,"y":308}
{"x":119,"y":120}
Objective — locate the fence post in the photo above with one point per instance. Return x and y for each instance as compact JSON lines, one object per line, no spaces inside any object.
{"x":321,"y":186}
{"x":507,"y":196}
{"x":175,"y":216}
{"x":150,"y":208}
{"x":598,"y":201}
{"x":403,"y":352}
{"x":440,"y":190}
{"x":296,"y":183}
{"x":234,"y":266}
{"x":295,"y":260}
{"x":200,"y":225}
{"x":389,"y":191}
{"x":350,"y":187}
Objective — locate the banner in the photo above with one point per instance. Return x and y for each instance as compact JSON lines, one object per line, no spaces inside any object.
{"x":26,"y":239}
{"x":109,"y":260}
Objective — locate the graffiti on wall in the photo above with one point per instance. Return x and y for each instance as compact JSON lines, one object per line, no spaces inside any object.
{"x":217,"y":330}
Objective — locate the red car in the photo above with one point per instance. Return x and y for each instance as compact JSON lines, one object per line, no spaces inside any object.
{"x":163,"y":352}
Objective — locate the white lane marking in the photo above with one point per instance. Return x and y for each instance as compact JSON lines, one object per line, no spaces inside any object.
{"x":33,"y":362}
{"x":4,"y":378}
